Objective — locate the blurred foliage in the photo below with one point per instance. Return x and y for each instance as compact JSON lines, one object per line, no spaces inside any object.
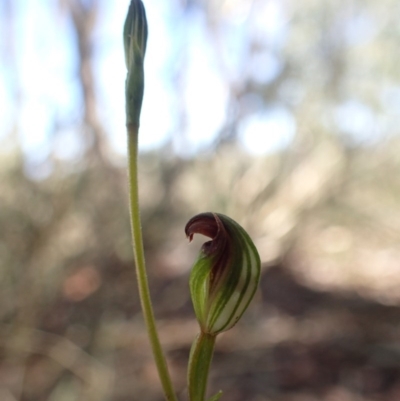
{"x":323,"y":211}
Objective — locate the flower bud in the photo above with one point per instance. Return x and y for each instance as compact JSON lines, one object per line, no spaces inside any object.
{"x":226,"y":274}
{"x":135,"y":39}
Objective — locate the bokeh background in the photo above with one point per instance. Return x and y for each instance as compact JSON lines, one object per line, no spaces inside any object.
{"x":283,"y":114}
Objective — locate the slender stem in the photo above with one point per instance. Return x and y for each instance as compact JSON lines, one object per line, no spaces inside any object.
{"x":143,"y":285}
{"x":199,"y":365}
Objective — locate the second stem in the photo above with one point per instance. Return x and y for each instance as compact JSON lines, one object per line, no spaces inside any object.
{"x":144,"y":291}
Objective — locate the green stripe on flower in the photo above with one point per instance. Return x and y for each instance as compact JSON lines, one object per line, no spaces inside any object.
{"x":226,"y":274}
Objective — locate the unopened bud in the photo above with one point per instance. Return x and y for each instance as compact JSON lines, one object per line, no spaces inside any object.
{"x":135,"y":39}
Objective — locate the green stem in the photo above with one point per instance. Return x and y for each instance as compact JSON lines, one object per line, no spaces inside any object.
{"x":199,"y":365}
{"x":143,"y":285}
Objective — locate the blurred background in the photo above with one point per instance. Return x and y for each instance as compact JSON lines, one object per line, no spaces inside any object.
{"x":283,"y":114}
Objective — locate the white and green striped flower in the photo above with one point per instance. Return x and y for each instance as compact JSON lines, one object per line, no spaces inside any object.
{"x":226,"y":274}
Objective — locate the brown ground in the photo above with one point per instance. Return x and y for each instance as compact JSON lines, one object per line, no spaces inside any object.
{"x":294,"y":344}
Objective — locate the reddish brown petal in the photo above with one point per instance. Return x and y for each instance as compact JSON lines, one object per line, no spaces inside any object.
{"x":204,"y":223}
{"x":210,"y":225}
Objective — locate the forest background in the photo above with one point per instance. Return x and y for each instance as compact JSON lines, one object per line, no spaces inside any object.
{"x":282,"y":114}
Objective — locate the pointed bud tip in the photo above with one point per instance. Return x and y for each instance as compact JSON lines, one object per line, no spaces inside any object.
{"x":135,"y":31}
{"x":135,"y":40}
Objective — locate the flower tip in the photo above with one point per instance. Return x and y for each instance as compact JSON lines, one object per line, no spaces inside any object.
{"x":208,"y":224}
